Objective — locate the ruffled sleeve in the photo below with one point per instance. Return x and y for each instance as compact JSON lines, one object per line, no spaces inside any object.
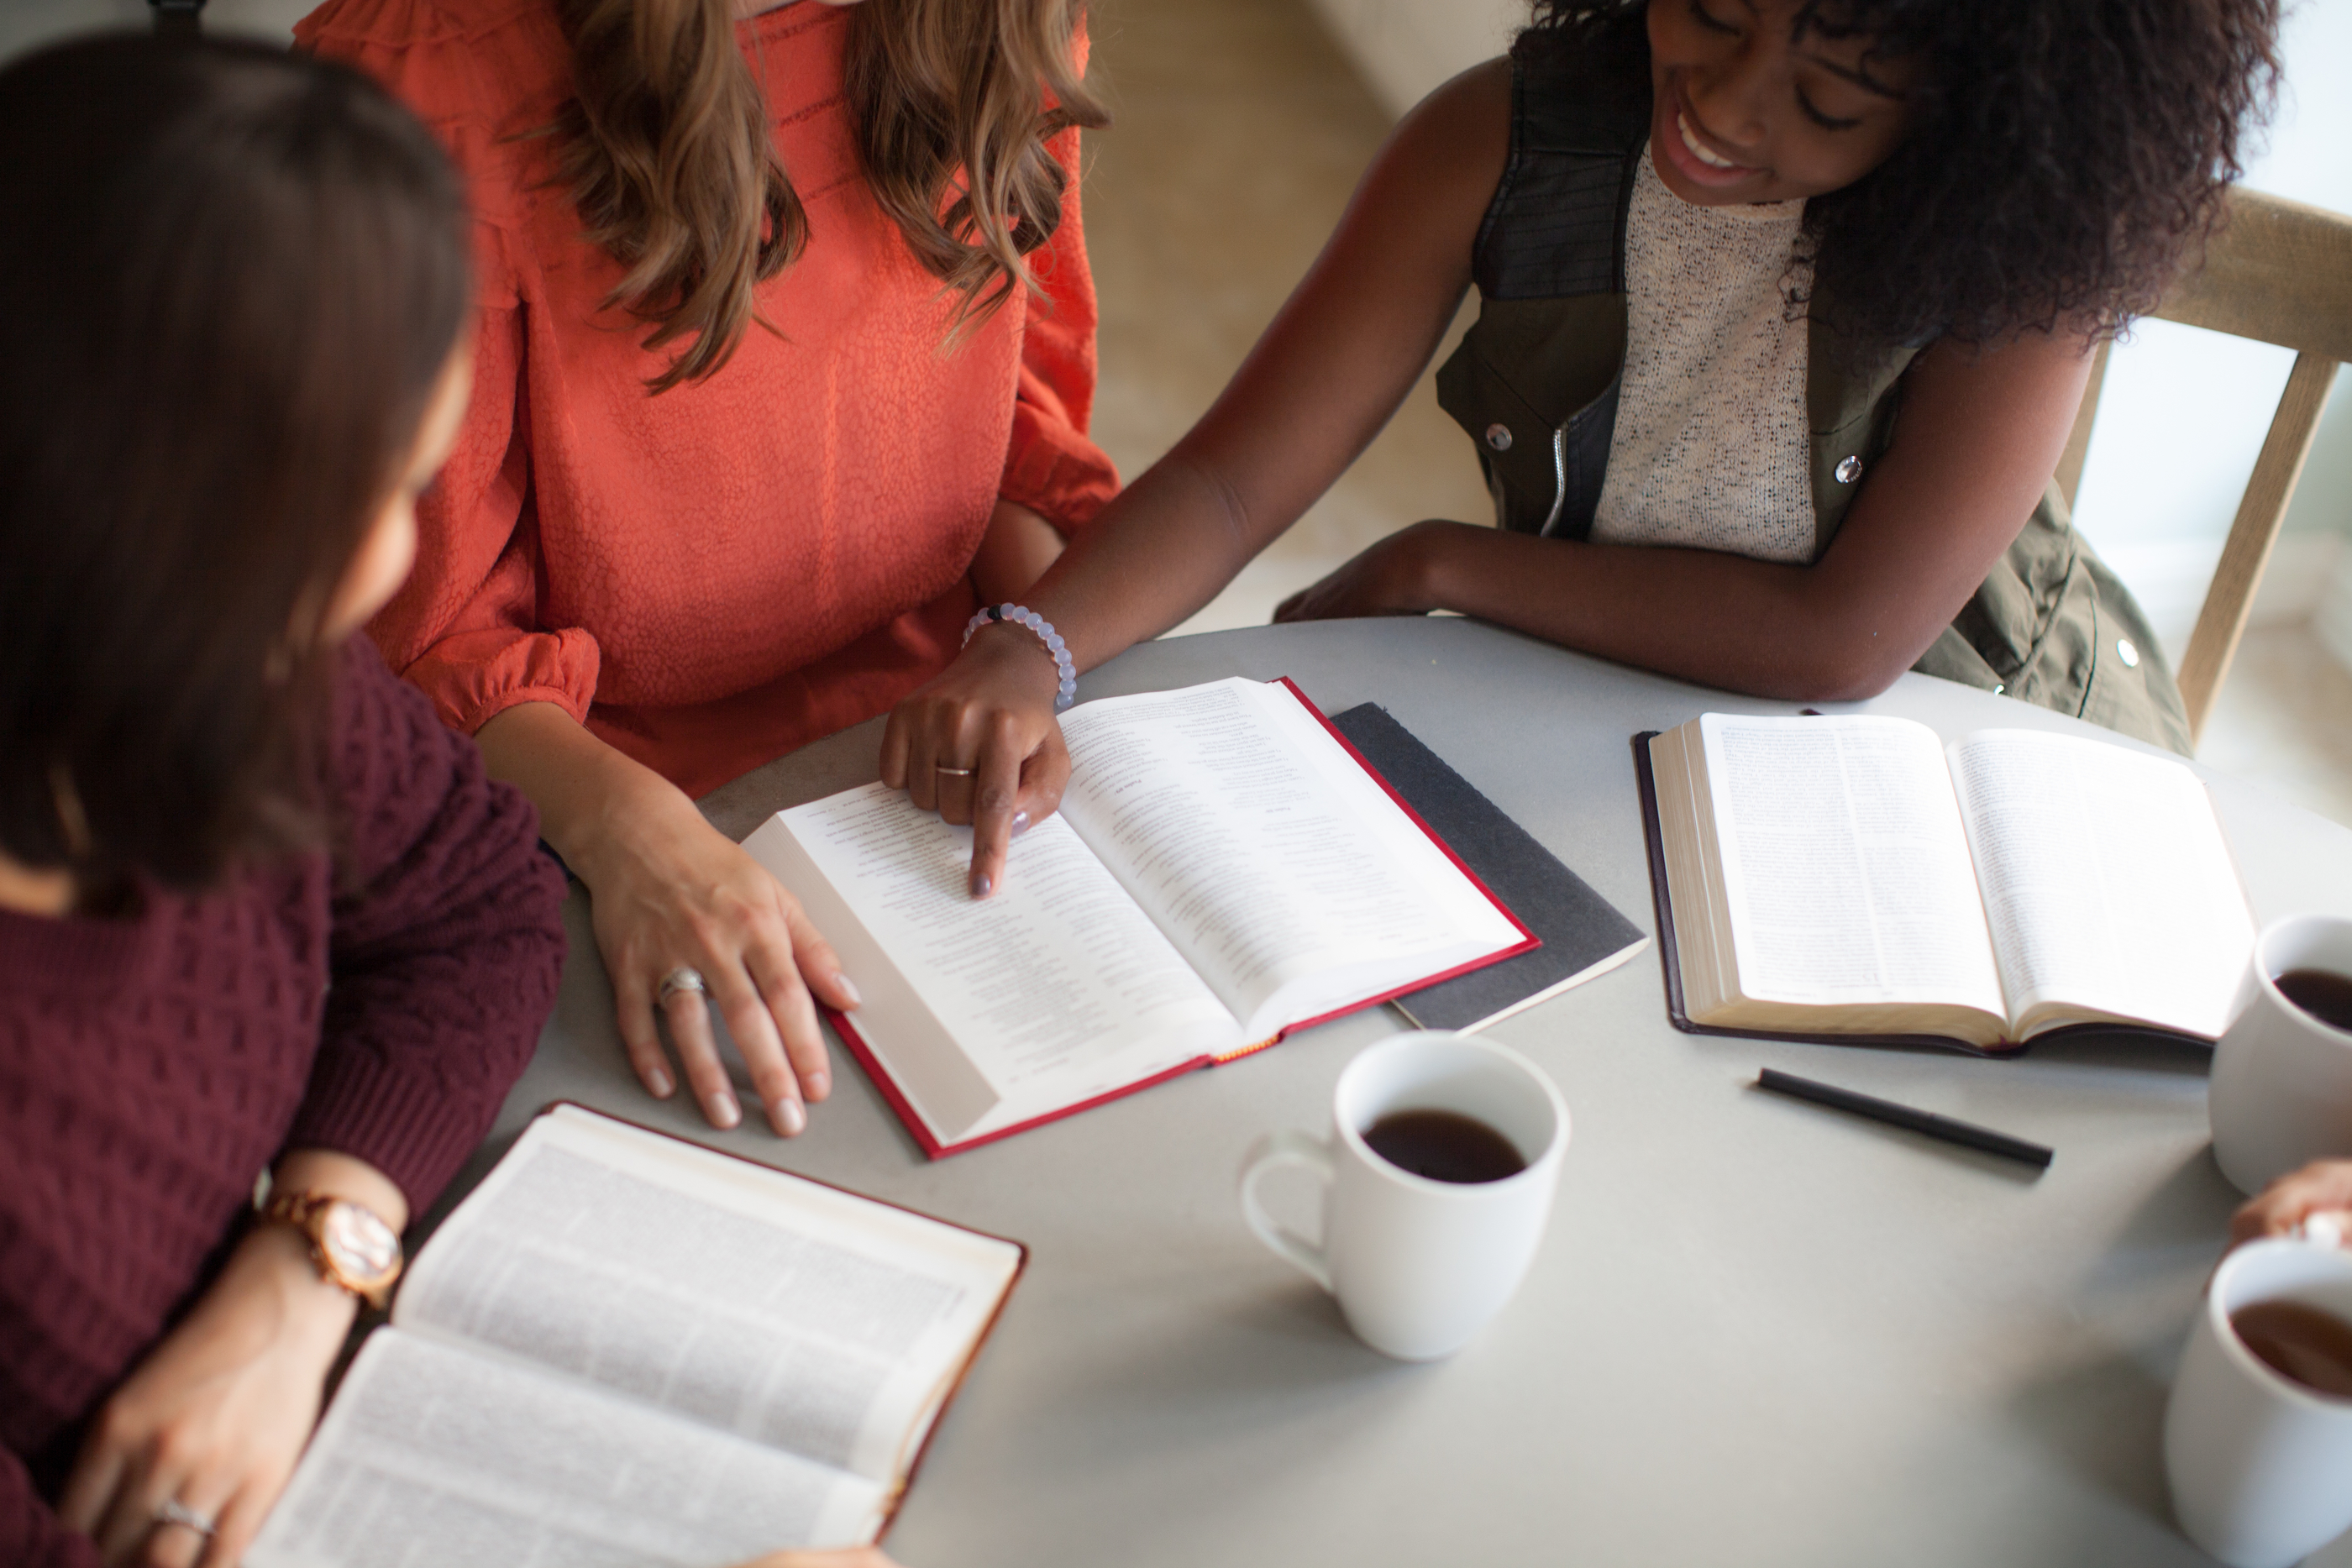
{"x":1050,"y":465}
{"x":466,"y":627}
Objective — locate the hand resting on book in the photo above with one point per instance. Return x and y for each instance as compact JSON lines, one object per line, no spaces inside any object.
{"x":991,"y":712}
{"x":216,"y":1416}
{"x":666,"y":891}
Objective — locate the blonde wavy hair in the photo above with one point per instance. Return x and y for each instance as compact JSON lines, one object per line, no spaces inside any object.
{"x":667,"y":153}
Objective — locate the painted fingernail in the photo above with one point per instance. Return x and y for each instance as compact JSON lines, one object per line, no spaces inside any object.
{"x":981,"y":884}
{"x":848,"y":988}
{"x":722,"y":1110}
{"x":659,"y":1081}
{"x":790,"y":1119}
{"x":817,"y":1084}
{"x":1020,"y":823}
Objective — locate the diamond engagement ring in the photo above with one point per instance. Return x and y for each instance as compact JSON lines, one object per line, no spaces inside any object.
{"x":175,"y":1512}
{"x":684,"y":977}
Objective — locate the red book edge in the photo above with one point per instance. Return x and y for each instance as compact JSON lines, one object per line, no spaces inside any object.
{"x":879,"y":1075}
{"x":955,"y":1385}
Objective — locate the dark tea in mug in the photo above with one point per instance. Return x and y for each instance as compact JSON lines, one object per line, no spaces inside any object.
{"x":1444,"y":1145}
{"x":2323,"y":993}
{"x":2301,"y":1342}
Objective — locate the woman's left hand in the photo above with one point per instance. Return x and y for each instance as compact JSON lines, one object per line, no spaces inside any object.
{"x":216,"y":1417}
{"x":1392,"y":576}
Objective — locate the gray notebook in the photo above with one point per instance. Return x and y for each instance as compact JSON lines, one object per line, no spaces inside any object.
{"x":1583,"y":935}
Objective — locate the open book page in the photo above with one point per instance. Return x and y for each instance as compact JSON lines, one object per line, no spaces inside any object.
{"x":1846,"y":871}
{"x":1281,"y":872}
{"x":434,"y":1454}
{"x":745,"y":1299}
{"x":2109,"y":887}
{"x":1702,"y":916}
{"x":989,"y":1013}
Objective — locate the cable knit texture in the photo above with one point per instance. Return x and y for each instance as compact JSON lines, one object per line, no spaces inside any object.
{"x":718,"y":575}
{"x":1713,"y":449}
{"x":152,"y":1067}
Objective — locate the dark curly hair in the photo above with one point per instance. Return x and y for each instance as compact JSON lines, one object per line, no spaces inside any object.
{"x":2065,"y":157}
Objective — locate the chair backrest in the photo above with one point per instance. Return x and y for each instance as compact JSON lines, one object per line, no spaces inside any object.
{"x":2280,"y":272}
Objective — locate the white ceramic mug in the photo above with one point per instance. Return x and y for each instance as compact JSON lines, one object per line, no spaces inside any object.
{"x":2282,"y":1090}
{"x":1419,"y":1265}
{"x":2260,"y":1465}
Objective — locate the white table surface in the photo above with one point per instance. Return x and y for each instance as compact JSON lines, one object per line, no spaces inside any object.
{"x":1758,"y":1333}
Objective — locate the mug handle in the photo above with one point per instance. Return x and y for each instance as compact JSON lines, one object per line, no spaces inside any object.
{"x":1288,"y":1147}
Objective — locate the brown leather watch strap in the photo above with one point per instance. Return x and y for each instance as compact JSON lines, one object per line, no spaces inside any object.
{"x":310,"y":1213}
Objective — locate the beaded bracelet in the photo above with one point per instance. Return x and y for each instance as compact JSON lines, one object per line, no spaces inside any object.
{"x":1068,"y":693}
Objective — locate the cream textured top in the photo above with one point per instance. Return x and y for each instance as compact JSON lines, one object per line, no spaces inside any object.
{"x":1711,"y":448}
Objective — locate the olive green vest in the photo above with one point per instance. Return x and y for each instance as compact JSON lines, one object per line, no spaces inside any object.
{"x":1535,"y":384}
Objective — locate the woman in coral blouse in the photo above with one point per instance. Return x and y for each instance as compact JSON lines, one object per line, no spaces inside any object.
{"x":767,"y":402}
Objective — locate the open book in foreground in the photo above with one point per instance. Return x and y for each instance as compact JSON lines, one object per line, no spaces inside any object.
{"x":1839,"y":877}
{"x":1225,"y":869}
{"x":625,"y":1348}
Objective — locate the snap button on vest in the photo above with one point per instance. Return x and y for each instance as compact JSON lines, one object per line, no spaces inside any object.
{"x":1498,"y":437}
{"x":1849,"y":469}
{"x":2128,"y":653}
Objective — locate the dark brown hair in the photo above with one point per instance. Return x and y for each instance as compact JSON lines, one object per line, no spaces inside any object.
{"x":2063,"y":156}
{"x":229,"y":280}
{"x":668,"y":152}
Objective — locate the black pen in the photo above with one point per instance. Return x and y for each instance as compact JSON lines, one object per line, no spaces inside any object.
{"x":1967,"y":1133}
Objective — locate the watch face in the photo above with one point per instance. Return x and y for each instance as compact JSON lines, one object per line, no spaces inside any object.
{"x":360,"y":1244}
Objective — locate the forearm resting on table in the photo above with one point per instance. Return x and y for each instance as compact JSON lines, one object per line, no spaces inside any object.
{"x":1981,"y":434}
{"x":580,"y":786}
{"x":1798,"y":633}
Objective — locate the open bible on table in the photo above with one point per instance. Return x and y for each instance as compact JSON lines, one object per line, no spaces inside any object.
{"x":624,"y":1348}
{"x":1225,"y":869}
{"x":1855,"y":879}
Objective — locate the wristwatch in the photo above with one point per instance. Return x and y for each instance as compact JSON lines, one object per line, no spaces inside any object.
{"x":351,"y":1245}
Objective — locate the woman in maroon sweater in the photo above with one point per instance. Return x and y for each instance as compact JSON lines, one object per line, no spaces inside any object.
{"x":259,"y":909}
{"x":260,"y":912}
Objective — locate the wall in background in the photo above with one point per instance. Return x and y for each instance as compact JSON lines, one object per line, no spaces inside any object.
{"x":1404,"y":47}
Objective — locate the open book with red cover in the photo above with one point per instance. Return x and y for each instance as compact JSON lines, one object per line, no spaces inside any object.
{"x":1225,"y":869}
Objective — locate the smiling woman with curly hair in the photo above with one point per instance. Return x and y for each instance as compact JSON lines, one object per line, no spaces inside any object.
{"x":2056,"y":163}
{"x":1786,"y":310}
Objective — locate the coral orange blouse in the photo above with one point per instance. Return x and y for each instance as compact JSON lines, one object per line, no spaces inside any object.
{"x":709,"y":577}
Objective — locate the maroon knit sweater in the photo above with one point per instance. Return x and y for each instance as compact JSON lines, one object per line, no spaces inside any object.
{"x":151,"y":1068}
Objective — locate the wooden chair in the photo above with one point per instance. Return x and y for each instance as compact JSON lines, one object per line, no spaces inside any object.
{"x":2280,"y":272}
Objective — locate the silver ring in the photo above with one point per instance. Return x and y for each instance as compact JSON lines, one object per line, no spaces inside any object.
{"x":953,"y":772}
{"x":175,"y":1512}
{"x":684,"y":977}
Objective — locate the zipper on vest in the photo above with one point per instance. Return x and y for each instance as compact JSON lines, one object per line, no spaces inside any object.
{"x":1559,"y":480}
